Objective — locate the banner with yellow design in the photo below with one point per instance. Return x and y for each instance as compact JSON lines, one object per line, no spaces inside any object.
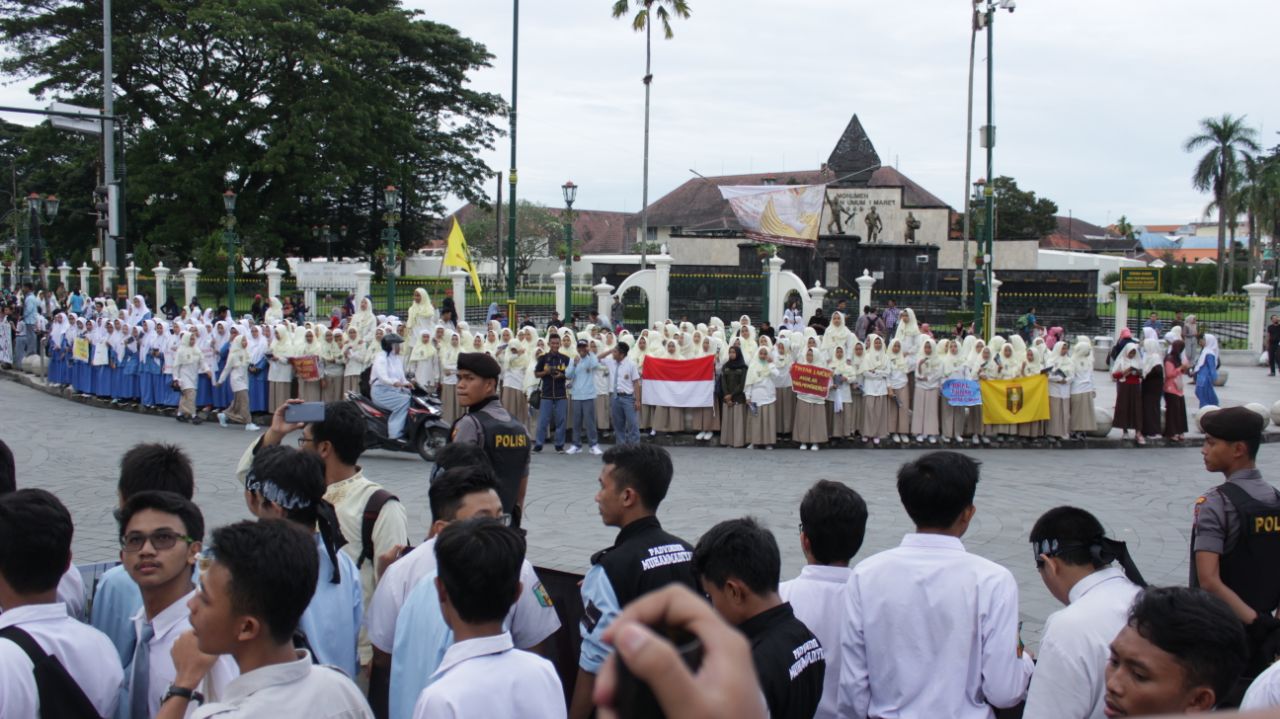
{"x":1015,"y":401}
{"x":784,"y":214}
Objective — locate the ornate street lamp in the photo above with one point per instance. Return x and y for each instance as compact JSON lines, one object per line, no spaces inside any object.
{"x":391,"y":236}
{"x":570,"y":194}
{"x":323,"y":232}
{"x":232,"y":242}
{"x":40,"y":211}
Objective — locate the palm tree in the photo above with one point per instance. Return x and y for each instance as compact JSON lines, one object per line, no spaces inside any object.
{"x":641,"y":22}
{"x":1124,"y":228}
{"x":1226,"y":137}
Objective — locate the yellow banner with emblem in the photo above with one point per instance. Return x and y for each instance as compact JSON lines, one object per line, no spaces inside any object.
{"x":1015,"y":401}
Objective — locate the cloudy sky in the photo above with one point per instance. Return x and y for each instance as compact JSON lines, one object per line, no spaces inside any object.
{"x":1093,"y":99}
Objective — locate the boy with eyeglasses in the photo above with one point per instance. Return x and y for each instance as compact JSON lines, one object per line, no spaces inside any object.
{"x":160,"y":540}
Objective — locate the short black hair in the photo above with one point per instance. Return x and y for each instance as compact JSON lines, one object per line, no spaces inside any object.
{"x":343,"y":427}
{"x":273,"y":565}
{"x":446,"y":494}
{"x":1198,"y":629}
{"x":479,"y":562}
{"x":834,"y":518}
{"x":937,"y":487}
{"x":646,"y":468}
{"x":622,"y":347}
{"x":8,"y":470}
{"x":1075,"y":530}
{"x":739,"y":549}
{"x":298,"y":473}
{"x":460,"y":454}
{"x":167,"y":502}
{"x":35,"y":540}
{"x":157,"y":467}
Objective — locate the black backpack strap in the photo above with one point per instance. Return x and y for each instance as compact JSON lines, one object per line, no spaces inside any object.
{"x":60,"y":695}
{"x":372,"y":509}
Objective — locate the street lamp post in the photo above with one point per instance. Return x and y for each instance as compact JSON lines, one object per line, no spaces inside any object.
{"x":40,"y":211}
{"x":570,"y":194}
{"x":982,"y":297}
{"x":325,"y":233}
{"x":391,"y":236}
{"x":232,"y":242}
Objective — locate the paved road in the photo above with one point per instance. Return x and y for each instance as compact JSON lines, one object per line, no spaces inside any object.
{"x":1141,"y":496}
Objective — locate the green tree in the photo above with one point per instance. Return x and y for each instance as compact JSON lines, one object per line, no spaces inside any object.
{"x":537,"y":230}
{"x":1124,"y":227}
{"x":642,"y":22}
{"x":1020,"y":214}
{"x":305,"y":109}
{"x":1226,"y":138}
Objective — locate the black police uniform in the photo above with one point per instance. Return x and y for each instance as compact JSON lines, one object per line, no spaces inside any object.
{"x":789,"y":661}
{"x":505,"y":442}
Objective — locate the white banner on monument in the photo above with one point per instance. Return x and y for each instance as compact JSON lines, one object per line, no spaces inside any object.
{"x":785,"y":214}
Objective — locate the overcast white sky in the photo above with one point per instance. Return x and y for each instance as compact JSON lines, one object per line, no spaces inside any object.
{"x":1093,"y":99}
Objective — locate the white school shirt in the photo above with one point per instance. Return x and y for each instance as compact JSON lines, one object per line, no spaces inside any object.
{"x":85,"y":652}
{"x":387,"y":370}
{"x":293,"y":689}
{"x":168,"y":625}
{"x":818,"y":598}
{"x":930,"y":631}
{"x":1082,"y":381}
{"x":1264,"y":692}
{"x":622,"y":375}
{"x":488,"y":677}
{"x":1070,"y":679}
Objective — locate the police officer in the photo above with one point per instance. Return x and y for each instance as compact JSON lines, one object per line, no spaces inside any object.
{"x":487,"y":423}
{"x":1235,"y":537}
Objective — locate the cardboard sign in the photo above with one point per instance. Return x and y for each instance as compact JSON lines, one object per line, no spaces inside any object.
{"x":306,"y":368}
{"x":81,"y":349}
{"x":811,"y":380}
{"x":962,"y":392}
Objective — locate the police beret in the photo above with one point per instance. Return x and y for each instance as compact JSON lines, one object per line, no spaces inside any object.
{"x":479,"y":364}
{"x":1233,"y":424}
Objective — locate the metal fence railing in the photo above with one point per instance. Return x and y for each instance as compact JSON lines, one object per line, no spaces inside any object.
{"x":1226,"y":316}
{"x":697,"y":297}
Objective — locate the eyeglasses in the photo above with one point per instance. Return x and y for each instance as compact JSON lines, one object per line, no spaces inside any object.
{"x":800,"y":527}
{"x":160,"y":540}
{"x":302,"y":441}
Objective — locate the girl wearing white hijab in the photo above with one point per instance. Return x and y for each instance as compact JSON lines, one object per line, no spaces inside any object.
{"x":422,"y":316}
{"x":237,"y":371}
{"x":331,"y":353}
{"x":449,"y":378}
{"x":604,"y":423}
{"x":167,"y":343}
{"x":356,"y":359}
{"x":189,"y":366}
{"x":856,"y":411}
{"x":311,"y":390}
{"x":762,"y":401}
{"x":924,"y":415}
{"x":782,"y":361}
{"x":988,"y":368}
{"x":100,"y":358}
{"x":280,"y":371}
{"x":841,"y":416}
{"x":706,"y":419}
{"x":899,"y":393}
{"x":1152,"y":386}
{"x":877,"y":412}
{"x":515,"y":364}
{"x":1082,"y":418}
{"x":259,"y":391}
{"x":1031,"y":366}
{"x":138,"y":310}
{"x":424,"y":361}
{"x":1127,"y":372}
{"x":364,"y":321}
{"x":274,"y":313}
{"x":668,"y":419}
{"x":837,"y":334}
{"x":810,"y":428}
{"x":1061,"y":371}
{"x":953,"y":419}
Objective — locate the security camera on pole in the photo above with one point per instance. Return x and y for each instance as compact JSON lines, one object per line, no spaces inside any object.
{"x":985,"y":18}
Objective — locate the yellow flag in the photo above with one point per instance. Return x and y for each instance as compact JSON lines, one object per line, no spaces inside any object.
{"x":1015,"y":401}
{"x":456,"y":254}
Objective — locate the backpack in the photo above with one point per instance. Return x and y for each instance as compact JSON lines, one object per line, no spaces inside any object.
{"x":372,"y":509}
{"x":1023,"y":322}
{"x":60,"y":696}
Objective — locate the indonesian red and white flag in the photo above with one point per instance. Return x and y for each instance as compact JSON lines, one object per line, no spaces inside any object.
{"x":680,"y":383}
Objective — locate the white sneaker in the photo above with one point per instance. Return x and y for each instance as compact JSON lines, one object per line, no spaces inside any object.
{"x":768,"y":448}
{"x":876,"y":441}
{"x":946,"y":440}
{"x":814,"y":448}
{"x":919,"y":437}
{"x":751,"y":446}
{"x":933,"y":440}
{"x":976,"y":441}
{"x":595,"y":449}
{"x":222,"y":418}
{"x":251,"y":427}
{"x":573,"y":449}
{"x":653,"y":433}
{"x":803,"y":447}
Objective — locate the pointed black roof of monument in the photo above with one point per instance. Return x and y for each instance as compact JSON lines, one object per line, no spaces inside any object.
{"x":854,"y":156}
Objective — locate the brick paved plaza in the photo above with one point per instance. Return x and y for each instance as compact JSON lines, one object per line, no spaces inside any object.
{"x":1142,"y":496}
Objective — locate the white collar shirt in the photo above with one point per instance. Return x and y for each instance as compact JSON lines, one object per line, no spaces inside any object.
{"x":392,"y":590}
{"x":818,"y":598}
{"x":930,"y":631}
{"x":86,"y":654}
{"x":168,"y":625}
{"x":293,"y":689}
{"x":1076,"y":647}
{"x":622,"y":375}
{"x":488,"y":677}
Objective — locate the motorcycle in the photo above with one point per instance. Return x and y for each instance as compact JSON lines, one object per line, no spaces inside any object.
{"x":425,"y":430}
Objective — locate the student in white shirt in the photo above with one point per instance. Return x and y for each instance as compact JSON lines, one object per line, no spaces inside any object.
{"x":1075,"y":560}
{"x":483,"y":674}
{"x":35,"y":551}
{"x":833,"y":522}
{"x":257,"y":581}
{"x":931,"y":630}
{"x":160,"y":539}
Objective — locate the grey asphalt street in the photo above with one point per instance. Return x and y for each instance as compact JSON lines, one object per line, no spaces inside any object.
{"x":1144,"y":497}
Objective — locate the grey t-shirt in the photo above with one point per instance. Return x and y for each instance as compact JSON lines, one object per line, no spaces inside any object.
{"x":1217,"y":522}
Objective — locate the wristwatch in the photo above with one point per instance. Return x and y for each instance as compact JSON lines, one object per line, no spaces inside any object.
{"x":176,"y":691}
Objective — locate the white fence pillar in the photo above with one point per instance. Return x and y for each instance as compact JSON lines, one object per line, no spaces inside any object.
{"x":460,"y":293}
{"x":162,"y":286}
{"x":85,"y":273}
{"x":131,"y":279}
{"x":64,"y":275}
{"x":108,"y":281}
{"x":1122,"y":312}
{"x":661,"y":289}
{"x":44,"y":277}
{"x":604,"y":302}
{"x":1257,"y":314}
{"x":995,"y":304}
{"x":865,"y":283}
{"x":817,"y":295}
{"x":364,"y":282}
{"x":776,"y":300}
{"x":274,"y":274}
{"x":557,"y":278}
{"x":190,"y":278}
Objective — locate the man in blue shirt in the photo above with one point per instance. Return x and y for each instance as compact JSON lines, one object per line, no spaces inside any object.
{"x":550,"y":369}
{"x":582,"y":391}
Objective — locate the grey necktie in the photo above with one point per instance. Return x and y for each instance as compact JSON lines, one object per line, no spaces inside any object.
{"x":140,"y":672}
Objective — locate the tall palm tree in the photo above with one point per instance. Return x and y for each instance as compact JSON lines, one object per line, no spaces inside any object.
{"x":1226,"y":138}
{"x":641,"y":22}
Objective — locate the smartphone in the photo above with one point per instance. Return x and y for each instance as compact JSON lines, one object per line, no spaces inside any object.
{"x":304,"y":412}
{"x":633,"y":699}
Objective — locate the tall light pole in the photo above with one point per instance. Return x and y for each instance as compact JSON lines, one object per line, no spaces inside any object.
{"x":325,"y":233}
{"x":231,"y":241}
{"x":511,"y":215}
{"x":391,"y":236}
{"x":982,"y":295}
{"x":40,"y":211}
{"x":570,"y":191}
